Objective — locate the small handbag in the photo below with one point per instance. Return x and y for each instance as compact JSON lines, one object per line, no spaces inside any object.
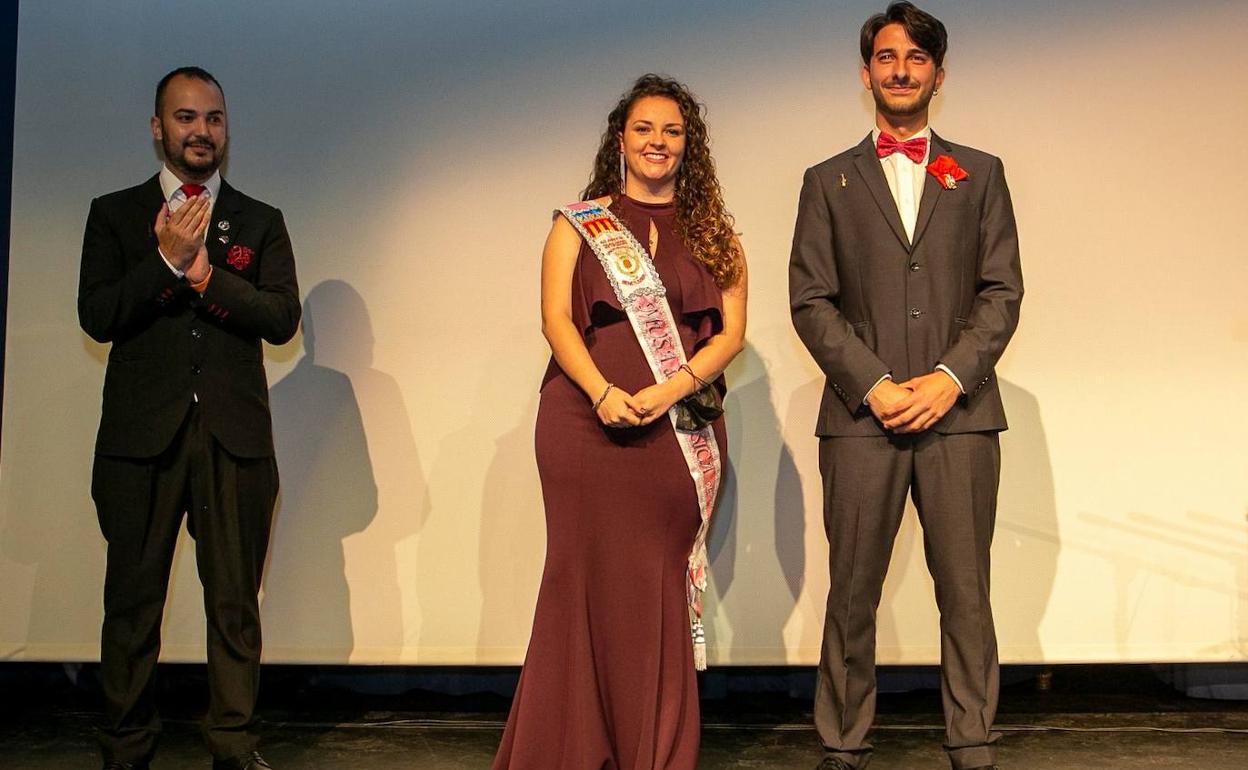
{"x":700,"y":408}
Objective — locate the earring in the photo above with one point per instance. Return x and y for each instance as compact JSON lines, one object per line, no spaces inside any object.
{"x":623,"y":171}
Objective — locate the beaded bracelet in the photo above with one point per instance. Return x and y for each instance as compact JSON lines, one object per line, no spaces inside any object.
{"x":603,"y":397}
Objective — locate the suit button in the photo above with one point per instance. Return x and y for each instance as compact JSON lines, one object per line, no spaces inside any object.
{"x":194,"y":370}
{"x":914,"y":267}
{"x":915,"y":312}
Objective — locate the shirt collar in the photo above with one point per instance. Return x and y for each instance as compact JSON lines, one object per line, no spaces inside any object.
{"x":170,"y":185}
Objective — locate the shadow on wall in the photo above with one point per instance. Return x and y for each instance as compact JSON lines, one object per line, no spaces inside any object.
{"x":1132,"y":544}
{"x":759,"y":532}
{"x":1027,"y":543}
{"x":511,"y":511}
{"x":494,"y":597}
{"x":63,"y":570}
{"x":338,"y":498}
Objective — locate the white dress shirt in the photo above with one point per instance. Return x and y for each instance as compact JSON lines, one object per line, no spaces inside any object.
{"x":905,"y":181}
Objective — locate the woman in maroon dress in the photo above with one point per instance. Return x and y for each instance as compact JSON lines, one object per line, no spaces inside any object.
{"x":608,"y":682}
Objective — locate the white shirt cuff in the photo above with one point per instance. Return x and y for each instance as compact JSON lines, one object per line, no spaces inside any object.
{"x":176,"y":271}
{"x":888,"y":376}
{"x":956,"y":381}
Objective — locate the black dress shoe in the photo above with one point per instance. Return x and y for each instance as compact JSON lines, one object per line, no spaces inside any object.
{"x":834,"y":763}
{"x":115,"y":764}
{"x":252,"y":761}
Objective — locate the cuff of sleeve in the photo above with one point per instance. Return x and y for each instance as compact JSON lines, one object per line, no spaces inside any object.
{"x":887,"y":376}
{"x":953,"y":377}
{"x":176,"y":271}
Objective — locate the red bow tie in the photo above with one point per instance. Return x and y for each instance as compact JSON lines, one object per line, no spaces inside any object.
{"x":191,"y":190}
{"x":914,"y":149}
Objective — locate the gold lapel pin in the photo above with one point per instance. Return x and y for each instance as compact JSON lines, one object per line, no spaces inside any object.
{"x":224,"y":224}
{"x":843,"y":181}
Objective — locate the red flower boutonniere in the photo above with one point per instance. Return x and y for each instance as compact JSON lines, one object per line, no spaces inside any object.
{"x":947,"y":172}
{"x":239,"y":257}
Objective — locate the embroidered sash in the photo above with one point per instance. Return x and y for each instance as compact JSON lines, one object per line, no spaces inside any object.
{"x":644,"y":298}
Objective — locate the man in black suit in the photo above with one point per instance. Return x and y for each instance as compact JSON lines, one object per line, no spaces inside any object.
{"x":905,"y":287}
{"x":185,"y":275}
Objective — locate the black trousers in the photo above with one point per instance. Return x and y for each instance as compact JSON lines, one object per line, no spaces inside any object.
{"x":229,"y":506}
{"x":953,"y":481}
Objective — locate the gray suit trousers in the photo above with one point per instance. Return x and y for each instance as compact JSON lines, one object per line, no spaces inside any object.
{"x":953,"y":480}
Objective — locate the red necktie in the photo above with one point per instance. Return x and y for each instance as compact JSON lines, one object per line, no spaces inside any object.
{"x":914,"y":149}
{"x":191,"y":190}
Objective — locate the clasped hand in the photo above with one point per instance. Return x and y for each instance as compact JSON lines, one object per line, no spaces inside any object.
{"x":180,"y":235}
{"x":621,"y":409}
{"x":915,"y":405}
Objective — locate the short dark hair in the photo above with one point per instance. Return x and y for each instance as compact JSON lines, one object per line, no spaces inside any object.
{"x":924,"y":29}
{"x":191,"y":72}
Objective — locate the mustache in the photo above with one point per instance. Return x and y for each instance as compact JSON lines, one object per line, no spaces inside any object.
{"x":206,"y":143}
{"x":901,"y":82}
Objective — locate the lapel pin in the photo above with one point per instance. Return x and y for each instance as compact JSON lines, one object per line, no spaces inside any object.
{"x":843,"y":181}
{"x":224,"y":238}
{"x":224,"y":224}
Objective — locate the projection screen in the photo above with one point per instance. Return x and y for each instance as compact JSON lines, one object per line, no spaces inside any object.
{"x":417,"y":150}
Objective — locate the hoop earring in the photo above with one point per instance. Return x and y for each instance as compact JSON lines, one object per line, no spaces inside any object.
{"x":623,"y":172}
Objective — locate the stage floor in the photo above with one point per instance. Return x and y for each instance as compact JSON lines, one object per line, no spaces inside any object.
{"x":1079,"y":723}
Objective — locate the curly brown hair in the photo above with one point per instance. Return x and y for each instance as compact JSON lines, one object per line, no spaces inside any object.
{"x":705,"y":224}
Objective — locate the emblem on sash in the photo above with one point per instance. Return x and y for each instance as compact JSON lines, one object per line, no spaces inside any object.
{"x":627,"y":264}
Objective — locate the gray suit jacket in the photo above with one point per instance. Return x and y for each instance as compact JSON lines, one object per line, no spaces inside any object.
{"x":867,"y":302}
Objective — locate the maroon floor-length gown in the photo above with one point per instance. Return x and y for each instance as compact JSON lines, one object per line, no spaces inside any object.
{"x":609,"y":681}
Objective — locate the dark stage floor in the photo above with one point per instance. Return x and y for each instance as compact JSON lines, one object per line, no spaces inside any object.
{"x":1105,"y":718}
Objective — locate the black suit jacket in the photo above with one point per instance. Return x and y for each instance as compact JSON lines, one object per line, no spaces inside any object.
{"x":867,"y":302}
{"x":169,"y":344}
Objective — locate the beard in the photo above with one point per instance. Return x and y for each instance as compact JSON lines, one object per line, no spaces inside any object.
{"x":178,"y":155}
{"x":905,"y":109}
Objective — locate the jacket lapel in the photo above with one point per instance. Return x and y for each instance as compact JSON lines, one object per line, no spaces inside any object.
{"x":148,"y":201}
{"x":225,"y":225}
{"x":873,"y":175}
{"x":931,"y":188}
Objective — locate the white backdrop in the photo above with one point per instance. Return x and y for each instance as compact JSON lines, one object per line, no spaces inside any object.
{"x":410,"y":527}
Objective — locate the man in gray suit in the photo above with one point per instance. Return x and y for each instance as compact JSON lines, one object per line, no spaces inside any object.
{"x":905,"y":286}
